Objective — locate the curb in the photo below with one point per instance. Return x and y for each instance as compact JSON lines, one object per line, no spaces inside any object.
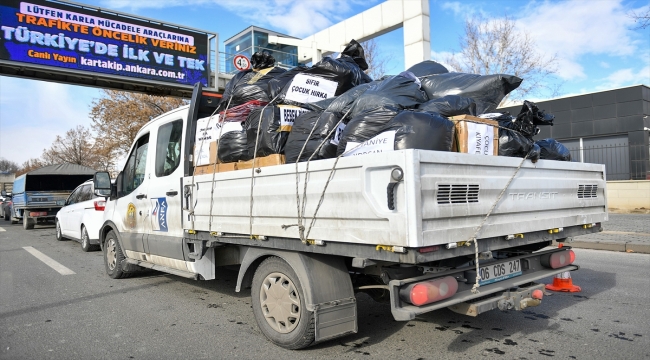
{"x":631,"y":246}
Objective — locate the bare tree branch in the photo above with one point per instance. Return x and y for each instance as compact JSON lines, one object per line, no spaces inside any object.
{"x":377,"y":61}
{"x":641,"y":18}
{"x":497,"y":46}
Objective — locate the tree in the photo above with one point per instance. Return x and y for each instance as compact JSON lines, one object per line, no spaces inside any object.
{"x":8,"y":166}
{"x":29,"y":165}
{"x":376,"y":61}
{"x":497,"y":46}
{"x":118,"y":116}
{"x":641,"y":18}
{"x":77,"y":146}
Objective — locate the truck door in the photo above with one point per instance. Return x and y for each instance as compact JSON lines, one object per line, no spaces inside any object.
{"x":132,"y":203}
{"x":165,"y":229}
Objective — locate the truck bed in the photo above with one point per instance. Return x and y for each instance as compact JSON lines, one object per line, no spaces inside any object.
{"x":442,"y":198}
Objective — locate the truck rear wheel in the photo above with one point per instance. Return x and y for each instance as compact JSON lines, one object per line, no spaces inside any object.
{"x":279,"y":305}
{"x":113,"y":257}
{"x":28,"y":223}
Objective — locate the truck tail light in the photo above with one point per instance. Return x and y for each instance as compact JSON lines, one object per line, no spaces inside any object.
{"x":426,"y":292}
{"x":100,"y":205}
{"x":38,"y":213}
{"x":558,"y":259}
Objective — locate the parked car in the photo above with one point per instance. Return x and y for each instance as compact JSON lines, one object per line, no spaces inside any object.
{"x":81,"y":217}
{"x":5,"y":208}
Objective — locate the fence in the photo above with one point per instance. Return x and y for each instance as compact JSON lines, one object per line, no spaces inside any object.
{"x":616,"y":158}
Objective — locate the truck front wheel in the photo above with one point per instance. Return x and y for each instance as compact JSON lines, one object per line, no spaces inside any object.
{"x":279,"y":305}
{"x":113,"y":257}
{"x":28,"y":223}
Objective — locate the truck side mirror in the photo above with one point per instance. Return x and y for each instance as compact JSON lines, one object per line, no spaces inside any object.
{"x":102,"y":183}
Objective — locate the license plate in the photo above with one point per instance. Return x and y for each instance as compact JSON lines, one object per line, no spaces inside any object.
{"x":500,"y":271}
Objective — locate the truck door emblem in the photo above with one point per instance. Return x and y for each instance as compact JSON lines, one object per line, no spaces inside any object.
{"x":159,"y":214}
{"x":130,"y":217}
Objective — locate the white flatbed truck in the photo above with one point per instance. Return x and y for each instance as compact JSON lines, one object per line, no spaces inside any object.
{"x":397,"y":225}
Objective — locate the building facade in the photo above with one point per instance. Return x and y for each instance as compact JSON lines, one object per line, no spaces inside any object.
{"x":254,"y":39}
{"x":608,"y":127}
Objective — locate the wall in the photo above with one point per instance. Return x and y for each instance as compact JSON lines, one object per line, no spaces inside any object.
{"x":628,"y":195}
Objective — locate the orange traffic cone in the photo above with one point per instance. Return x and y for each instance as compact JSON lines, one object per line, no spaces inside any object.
{"x":563,"y":282}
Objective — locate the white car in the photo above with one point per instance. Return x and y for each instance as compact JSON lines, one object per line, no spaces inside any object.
{"x":81,"y":217}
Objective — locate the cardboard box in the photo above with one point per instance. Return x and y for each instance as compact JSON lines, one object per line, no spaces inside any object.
{"x":473,"y":138}
{"x":275,"y":159}
{"x":209,"y":169}
{"x":208,"y":153}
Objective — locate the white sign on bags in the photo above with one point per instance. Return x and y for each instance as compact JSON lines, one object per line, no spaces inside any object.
{"x":383,"y":142}
{"x":337,"y":134}
{"x":288,"y":115}
{"x":306,"y":89}
{"x":480,"y":139}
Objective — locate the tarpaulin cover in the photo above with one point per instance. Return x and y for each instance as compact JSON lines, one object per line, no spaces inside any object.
{"x":486,"y":90}
{"x":239,"y":113}
{"x":400,"y":91}
{"x":270,"y":140}
{"x":427,"y":67}
{"x":262,"y":60}
{"x":63,"y":169}
{"x":233,"y":147}
{"x":366,"y":125}
{"x":450,"y":105}
{"x":551,"y":149}
{"x":276,"y":84}
{"x":324,"y":122}
{"x":421,"y":130}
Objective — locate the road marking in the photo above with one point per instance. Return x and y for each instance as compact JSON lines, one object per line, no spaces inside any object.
{"x":49,"y":261}
{"x":1,"y":229}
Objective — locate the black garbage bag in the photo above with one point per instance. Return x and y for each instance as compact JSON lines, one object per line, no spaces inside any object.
{"x":233,"y":147}
{"x":251,"y":86}
{"x":531,"y":114}
{"x":270,"y":139}
{"x":327,"y":78}
{"x":487,"y":91}
{"x":534,"y":153}
{"x":450,"y":105}
{"x":320,"y":105}
{"x":513,"y":144}
{"x":366,"y":125}
{"x":239,"y":78}
{"x":421,"y":130}
{"x":427,"y":67}
{"x":276,"y":84}
{"x":551,"y":149}
{"x":324,"y":122}
{"x":355,"y":51}
{"x":262,"y":60}
{"x":343,"y":103}
{"x":401,"y":91}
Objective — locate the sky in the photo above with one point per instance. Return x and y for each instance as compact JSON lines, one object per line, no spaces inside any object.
{"x":595,"y":41}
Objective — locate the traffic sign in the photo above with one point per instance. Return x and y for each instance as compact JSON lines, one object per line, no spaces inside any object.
{"x":241,"y":62}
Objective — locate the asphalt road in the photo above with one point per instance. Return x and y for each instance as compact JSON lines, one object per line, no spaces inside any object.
{"x":86,"y":315}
